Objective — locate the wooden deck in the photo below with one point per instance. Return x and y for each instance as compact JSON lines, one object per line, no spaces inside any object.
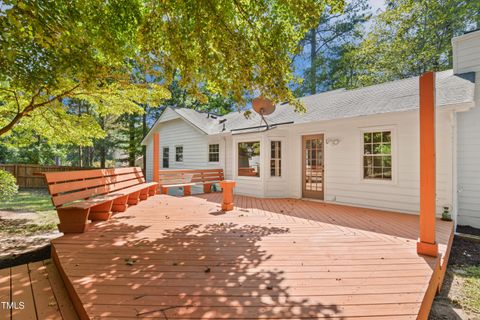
{"x":34,"y":291}
{"x":183,"y":258}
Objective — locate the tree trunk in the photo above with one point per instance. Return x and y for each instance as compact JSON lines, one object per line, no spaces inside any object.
{"x":131,"y":141}
{"x":313,"y":61}
{"x":80,"y":153}
{"x":90,"y":157}
{"x":144,"y":133}
{"x":80,"y":157}
{"x":38,"y":155}
{"x":103,"y":149}
{"x":103,"y":157}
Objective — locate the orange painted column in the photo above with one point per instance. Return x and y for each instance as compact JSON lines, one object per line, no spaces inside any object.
{"x":227,"y":187}
{"x":427,"y":244}
{"x":156,"y":157}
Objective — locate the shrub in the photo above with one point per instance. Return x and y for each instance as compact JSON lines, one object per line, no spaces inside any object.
{"x":8,"y":185}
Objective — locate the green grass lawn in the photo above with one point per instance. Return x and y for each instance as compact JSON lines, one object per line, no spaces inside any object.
{"x":460,"y":294}
{"x":471,"y":289}
{"x":36,"y":200}
{"x":29,"y":212}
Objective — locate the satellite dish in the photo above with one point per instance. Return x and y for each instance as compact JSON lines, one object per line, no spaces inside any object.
{"x":263,"y":106}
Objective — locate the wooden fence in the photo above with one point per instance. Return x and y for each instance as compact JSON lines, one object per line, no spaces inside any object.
{"x":27,"y":174}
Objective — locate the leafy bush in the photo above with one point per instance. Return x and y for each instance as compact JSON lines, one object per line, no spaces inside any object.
{"x":8,"y":185}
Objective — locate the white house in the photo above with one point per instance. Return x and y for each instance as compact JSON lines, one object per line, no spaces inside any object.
{"x":358,"y":147}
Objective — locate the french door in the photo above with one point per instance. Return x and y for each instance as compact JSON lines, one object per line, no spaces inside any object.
{"x":313,"y":166}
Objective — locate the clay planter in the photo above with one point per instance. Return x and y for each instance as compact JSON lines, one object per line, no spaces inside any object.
{"x":73,"y":220}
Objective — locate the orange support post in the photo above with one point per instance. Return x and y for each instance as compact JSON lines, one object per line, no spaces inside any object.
{"x":427,"y":244}
{"x":156,"y":157}
{"x":227,"y":187}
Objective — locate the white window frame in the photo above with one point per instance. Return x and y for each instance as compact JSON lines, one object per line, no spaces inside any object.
{"x":163,"y":158}
{"x":235,"y":159}
{"x":183,"y":154}
{"x":394,"y":154}
{"x":208,"y":152}
{"x":282,"y":157}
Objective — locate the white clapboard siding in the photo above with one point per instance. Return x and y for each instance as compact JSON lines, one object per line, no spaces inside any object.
{"x":178,"y":132}
{"x":149,"y":160}
{"x":343,"y":162}
{"x":468,"y":162}
{"x":168,"y":114}
{"x":466,"y":53}
{"x":343,"y":166}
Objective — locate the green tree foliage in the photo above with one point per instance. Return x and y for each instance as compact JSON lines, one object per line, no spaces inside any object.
{"x":342,"y":69}
{"x":129,"y":136}
{"x":326,"y":43}
{"x":409,"y":38}
{"x":38,"y":152}
{"x":214,"y":103}
{"x":231,"y":47}
{"x":8,"y":185}
{"x":54,"y":52}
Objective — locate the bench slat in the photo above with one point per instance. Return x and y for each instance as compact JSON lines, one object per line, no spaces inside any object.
{"x":179,"y":178}
{"x":108,"y":197}
{"x":78,"y":195}
{"x":84,"y":204}
{"x":177,"y":185}
{"x":199,"y":179}
{"x":66,"y":187}
{"x":189,"y":171}
{"x":90,"y":183}
{"x":52,"y":177}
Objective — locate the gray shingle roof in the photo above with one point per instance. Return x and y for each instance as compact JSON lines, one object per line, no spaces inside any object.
{"x":394,"y":96}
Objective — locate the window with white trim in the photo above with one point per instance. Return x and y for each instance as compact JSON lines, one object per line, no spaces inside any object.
{"x":275,"y":158}
{"x":377,"y":155}
{"x":214,"y":152}
{"x":165,"y":157}
{"x":179,"y":153}
{"x":249,"y":159}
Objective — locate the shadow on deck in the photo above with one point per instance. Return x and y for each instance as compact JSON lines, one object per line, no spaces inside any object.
{"x":183,"y":258}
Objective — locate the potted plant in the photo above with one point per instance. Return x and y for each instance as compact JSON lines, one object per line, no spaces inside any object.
{"x":446,"y":216}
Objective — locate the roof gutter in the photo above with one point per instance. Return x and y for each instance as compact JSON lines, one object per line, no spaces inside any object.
{"x":458,"y":107}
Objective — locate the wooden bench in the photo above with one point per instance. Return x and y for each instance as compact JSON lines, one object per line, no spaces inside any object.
{"x":93,"y":195}
{"x":188,"y":178}
{"x":247,"y":171}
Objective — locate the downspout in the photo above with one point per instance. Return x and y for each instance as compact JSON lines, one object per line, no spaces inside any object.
{"x":225,"y":157}
{"x":156,"y":157}
{"x":454,"y":117}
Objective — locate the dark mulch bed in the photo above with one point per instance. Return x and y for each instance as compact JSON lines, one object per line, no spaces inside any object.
{"x":468,"y":230}
{"x":465,"y":252}
{"x":27,"y":257}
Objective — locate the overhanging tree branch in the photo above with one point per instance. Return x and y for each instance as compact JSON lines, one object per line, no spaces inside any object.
{"x":31,"y":107}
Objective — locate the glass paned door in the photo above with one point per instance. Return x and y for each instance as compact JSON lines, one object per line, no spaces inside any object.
{"x":312,"y":168}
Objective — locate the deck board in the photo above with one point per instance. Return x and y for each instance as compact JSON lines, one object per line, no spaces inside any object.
{"x":22,"y":292}
{"x":269,"y":258}
{"x":45,"y":301}
{"x":5,"y":287}
{"x":62,"y":298}
{"x":34,"y":285}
